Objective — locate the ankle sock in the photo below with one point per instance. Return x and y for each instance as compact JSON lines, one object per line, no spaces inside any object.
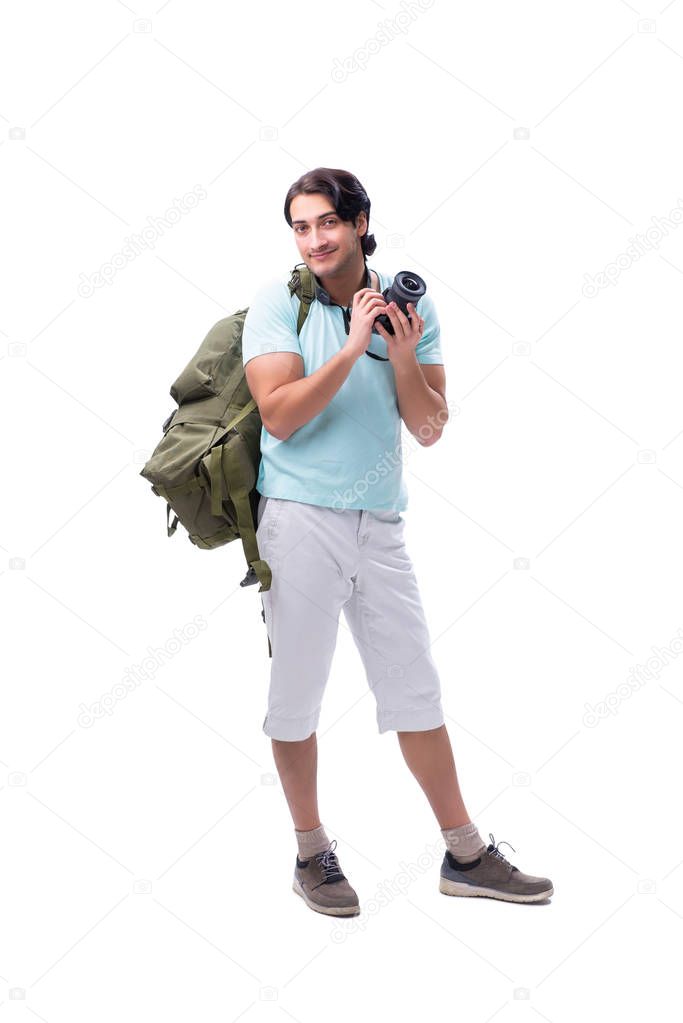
{"x":465,"y":842}
{"x":311,"y":842}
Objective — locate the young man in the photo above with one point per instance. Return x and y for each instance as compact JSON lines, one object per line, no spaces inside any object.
{"x":332,"y":401}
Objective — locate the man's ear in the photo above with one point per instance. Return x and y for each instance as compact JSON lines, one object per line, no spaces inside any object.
{"x":362,"y":221}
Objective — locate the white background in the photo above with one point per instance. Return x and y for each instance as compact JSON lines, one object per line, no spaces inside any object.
{"x":511,"y":153}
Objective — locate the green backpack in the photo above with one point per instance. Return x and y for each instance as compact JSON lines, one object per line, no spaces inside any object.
{"x":206,"y":464}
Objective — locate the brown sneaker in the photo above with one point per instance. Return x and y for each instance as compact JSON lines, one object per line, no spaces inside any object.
{"x":322,"y":885}
{"x":492,"y":875}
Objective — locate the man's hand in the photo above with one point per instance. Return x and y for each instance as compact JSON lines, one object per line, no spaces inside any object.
{"x":367,"y":305}
{"x":407,"y":333}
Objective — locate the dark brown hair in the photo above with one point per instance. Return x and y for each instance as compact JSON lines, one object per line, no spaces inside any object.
{"x":348,"y":197}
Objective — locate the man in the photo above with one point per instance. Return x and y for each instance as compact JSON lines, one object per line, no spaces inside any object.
{"x":332,"y":402}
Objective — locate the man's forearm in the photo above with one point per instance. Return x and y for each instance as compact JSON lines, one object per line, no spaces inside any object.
{"x":292,"y":405}
{"x":422,"y":409}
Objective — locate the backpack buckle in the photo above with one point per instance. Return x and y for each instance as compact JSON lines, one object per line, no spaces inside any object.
{"x":250,"y":577}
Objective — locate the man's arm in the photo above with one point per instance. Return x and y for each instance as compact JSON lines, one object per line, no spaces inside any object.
{"x":421,"y":390}
{"x":419,"y":373}
{"x":286,"y":398}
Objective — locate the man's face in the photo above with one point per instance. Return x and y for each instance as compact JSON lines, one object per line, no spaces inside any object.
{"x":317,"y":229}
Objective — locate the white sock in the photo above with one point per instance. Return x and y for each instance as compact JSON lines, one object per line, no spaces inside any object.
{"x":465,"y":842}
{"x":311,"y":842}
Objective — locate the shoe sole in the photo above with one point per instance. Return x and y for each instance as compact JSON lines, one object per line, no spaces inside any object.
{"x":458,"y":888}
{"x":327,"y":910}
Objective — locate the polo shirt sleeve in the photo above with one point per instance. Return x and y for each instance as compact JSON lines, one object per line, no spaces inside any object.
{"x":428,"y":348}
{"x":270,"y":323}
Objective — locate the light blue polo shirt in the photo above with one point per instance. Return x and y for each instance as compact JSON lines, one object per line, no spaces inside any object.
{"x":349,"y":455}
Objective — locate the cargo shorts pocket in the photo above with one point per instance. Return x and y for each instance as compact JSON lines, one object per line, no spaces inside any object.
{"x":387,"y":516}
{"x":268,"y":514}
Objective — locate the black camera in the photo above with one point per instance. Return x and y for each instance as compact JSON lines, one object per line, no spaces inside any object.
{"x":406,"y":287}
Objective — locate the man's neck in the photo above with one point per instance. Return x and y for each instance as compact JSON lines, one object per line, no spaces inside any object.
{"x":342,"y":289}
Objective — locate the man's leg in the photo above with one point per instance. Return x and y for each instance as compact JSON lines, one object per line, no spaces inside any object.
{"x":297,"y":765}
{"x":305,"y":546}
{"x":318,"y":877}
{"x":470,"y":867}
{"x":389,"y":627}
{"x":429,"y":756}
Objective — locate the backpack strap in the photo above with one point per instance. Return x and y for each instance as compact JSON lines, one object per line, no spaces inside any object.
{"x":225,"y":459}
{"x":249,"y":407}
{"x":301,"y":283}
{"x":231,"y":461}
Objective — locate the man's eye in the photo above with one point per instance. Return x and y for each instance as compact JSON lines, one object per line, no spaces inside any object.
{"x":301,"y":228}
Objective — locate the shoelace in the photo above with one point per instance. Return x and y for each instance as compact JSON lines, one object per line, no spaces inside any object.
{"x":330,"y":864}
{"x":495,"y":851}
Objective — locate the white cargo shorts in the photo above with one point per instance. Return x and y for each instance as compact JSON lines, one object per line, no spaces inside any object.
{"x":324,"y":560}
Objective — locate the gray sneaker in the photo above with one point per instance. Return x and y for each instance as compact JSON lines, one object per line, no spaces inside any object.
{"x":493,"y":875}
{"x":322,"y":885}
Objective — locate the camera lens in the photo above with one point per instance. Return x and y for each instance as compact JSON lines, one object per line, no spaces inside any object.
{"x":407,"y":287}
